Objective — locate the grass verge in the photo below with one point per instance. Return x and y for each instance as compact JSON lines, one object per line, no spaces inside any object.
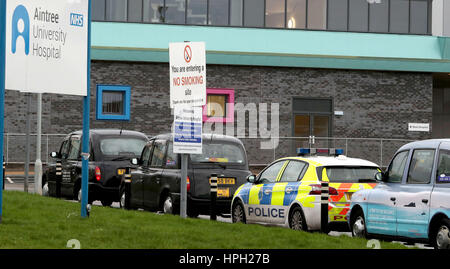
{"x":34,"y":222}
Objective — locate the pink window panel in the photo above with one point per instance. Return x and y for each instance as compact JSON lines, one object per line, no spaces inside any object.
{"x":229,"y":118}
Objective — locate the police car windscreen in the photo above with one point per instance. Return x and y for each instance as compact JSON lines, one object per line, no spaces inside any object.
{"x":351,"y":174}
{"x":219,"y":153}
{"x":121,"y":146}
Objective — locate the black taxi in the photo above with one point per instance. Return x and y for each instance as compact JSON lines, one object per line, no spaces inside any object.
{"x":155,"y":183}
{"x":110,"y":149}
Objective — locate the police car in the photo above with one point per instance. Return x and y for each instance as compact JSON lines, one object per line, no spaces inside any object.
{"x":288,"y":191}
{"x":412,"y":201}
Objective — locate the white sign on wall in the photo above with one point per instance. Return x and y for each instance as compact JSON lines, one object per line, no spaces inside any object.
{"x":187,"y":74}
{"x":187,"y":130}
{"x":418,"y":127}
{"x":46,"y":46}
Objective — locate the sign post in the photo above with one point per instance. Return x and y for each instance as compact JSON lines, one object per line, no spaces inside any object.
{"x":187,"y":96}
{"x":2,"y":91}
{"x":86,"y":112}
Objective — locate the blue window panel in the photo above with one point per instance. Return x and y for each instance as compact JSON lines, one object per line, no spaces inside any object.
{"x":125,"y":110}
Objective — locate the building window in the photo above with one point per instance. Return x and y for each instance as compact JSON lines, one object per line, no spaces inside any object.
{"x":296,"y":14}
{"x":236,"y":12}
{"x":379,"y":17}
{"x":153,"y":11}
{"x":275,"y":13}
{"x":196,"y":11}
{"x":113,"y":102}
{"x":175,"y":11}
{"x":253,"y":13}
{"x":219,"y":105}
{"x":358,"y":15}
{"x":116,"y":10}
{"x":135,"y":11}
{"x":218,"y":12}
{"x":317,"y":14}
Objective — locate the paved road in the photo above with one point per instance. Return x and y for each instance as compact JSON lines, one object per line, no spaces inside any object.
{"x":17,"y":185}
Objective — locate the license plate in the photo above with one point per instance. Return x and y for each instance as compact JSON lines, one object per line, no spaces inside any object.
{"x":225,"y":181}
{"x":223,"y":192}
{"x":120,"y":171}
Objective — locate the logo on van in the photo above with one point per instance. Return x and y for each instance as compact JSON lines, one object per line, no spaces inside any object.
{"x":20,"y":14}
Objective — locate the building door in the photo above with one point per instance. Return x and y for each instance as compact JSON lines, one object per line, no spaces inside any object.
{"x":312,"y":122}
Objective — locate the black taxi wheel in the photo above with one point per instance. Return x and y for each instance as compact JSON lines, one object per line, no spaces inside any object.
{"x":238,"y":213}
{"x":106,"y":202}
{"x":442,"y":235}
{"x":297,"y":220}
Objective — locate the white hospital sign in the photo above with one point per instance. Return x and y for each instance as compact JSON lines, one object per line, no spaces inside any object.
{"x":187,"y":74}
{"x":46,"y":46}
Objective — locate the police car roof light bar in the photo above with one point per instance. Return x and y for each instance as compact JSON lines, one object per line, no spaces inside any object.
{"x":313,"y":151}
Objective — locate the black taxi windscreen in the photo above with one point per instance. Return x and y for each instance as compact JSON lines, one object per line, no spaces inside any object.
{"x":121,"y":146}
{"x":350,"y":174}
{"x":219,"y":153}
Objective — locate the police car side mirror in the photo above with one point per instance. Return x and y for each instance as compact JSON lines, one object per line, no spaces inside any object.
{"x":251,"y":178}
{"x":134,"y":161}
{"x":54,"y":155}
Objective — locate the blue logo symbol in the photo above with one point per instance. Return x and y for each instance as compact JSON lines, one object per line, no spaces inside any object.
{"x":20,"y":13}
{"x":76,"y":19}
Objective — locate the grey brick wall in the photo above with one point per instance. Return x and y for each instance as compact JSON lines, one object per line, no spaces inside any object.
{"x":376,"y":104}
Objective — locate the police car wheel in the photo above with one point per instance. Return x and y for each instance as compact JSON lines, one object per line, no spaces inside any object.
{"x":238,"y":214}
{"x":296,"y":220}
{"x":442,"y":239}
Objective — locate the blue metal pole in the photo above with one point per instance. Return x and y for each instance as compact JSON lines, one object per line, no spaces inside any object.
{"x":2,"y":92}
{"x":86,"y":112}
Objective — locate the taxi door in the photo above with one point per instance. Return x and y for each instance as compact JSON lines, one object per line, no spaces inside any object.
{"x":382,"y":201}
{"x":260,"y":195}
{"x":137,"y":180}
{"x":69,"y":167}
{"x":413,"y":198}
{"x":152,"y":179}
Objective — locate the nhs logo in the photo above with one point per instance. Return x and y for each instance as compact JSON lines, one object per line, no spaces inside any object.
{"x":76,"y":19}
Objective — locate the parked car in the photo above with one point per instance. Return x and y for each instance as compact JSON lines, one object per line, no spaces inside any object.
{"x":412,"y":201}
{"x":288,"y":191}
{"x":155,"y":183}
{"x":110,"y":149}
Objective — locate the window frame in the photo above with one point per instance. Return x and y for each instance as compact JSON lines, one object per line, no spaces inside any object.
{"x":164,"y":143}
{"x":126,"y":102}
{"x":300,"y":176}
{"x":229,"y":118}
{"x":408,"y":152}
{"x":436,"y":181}
{"x":283,"y":165}
{"x":410,"y":163}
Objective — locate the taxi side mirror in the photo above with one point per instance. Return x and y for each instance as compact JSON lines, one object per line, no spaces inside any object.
{"x":251,"y":178}
{"x":380,"y":176}
{"x":134,"y":161}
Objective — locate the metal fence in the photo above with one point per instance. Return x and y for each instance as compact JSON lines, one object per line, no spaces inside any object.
{"x":377,"y":150}
{"x":14,"y":146}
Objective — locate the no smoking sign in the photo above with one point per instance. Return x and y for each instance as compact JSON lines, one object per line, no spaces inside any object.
{"x":187,"y":54}
{"x":187,"y":74}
